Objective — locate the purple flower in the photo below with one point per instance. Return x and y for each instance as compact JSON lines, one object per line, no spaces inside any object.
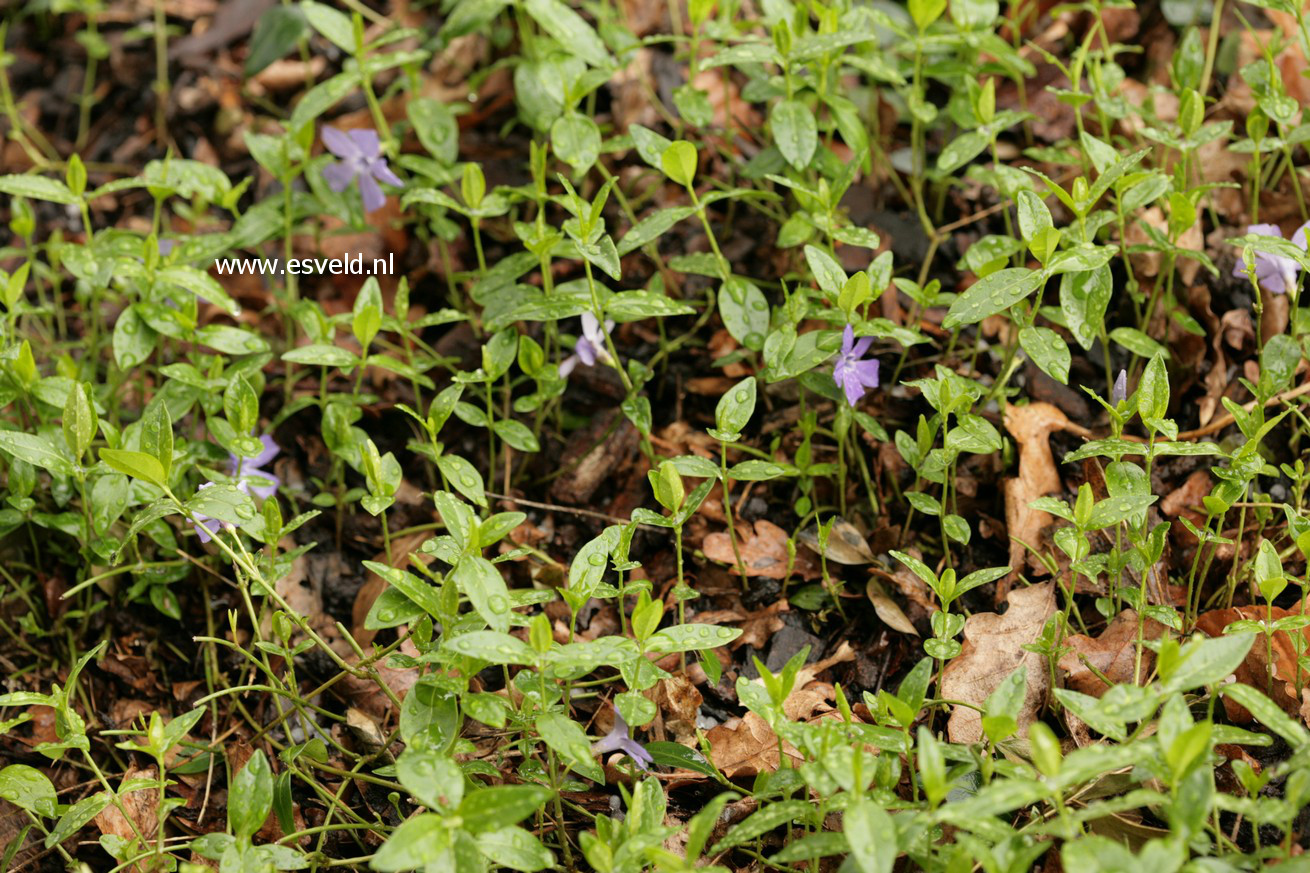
{"x":1275,"y":273}
{"x":617,"y":740}
{"x":250,"y":478}
{"x":361,"y":158}
{"x":851,"y":374}
{"x":166,"y":247}
{"x":590,"y":347}
{"x":1120,"y":391}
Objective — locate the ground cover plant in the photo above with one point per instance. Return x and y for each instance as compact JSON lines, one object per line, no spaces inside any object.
{"x":792,"y":435}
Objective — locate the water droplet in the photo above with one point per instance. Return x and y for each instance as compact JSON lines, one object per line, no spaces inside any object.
{"x":386,"y":614}
{"x":498,"y":603}
{"x":596,"y":560}
{"x":467,"y":481}
{"x":742,"y":396}
{"x":245,"y":511}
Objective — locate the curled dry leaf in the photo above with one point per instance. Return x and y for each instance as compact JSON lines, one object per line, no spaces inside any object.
{"x":1254,"y":671}
{"x":887,"y":609}
{"x":1113,"y":654}
{"x":140,"y":805}
{"x":747,"y":746}
{"x":1031,"y":427}
{"x":846,"y":545}
{"x":763,"y":551}
{"x":993,"y":649}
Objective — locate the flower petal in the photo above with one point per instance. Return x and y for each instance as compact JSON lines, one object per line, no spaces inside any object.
{"x":366,"y":142}
{"x":585,"y":351}
{"x":867,"y":373}
{"x":339,"y":175}
{"x":847,"y":340}
{"x":206,"y":528}
{"x":370,"y":193}
{"x":382,"y":173}
{"x":861,"y":347}
{"x":854,"y":391}
{"x":271,"y":450}
{"x":1264,"y":229}
{"x":339,"y":142}
{"x":566,"y":366}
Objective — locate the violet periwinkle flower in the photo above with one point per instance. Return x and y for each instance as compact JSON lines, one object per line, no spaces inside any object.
{"x":618,"y":740}
{"x":1275,"y":273}
{"x":361,"y":158}
{"x":590,"y":347}
{"x":166,"y":246}
{"x":250,"y":478}
{"x":1119,"y":393}
{"x":853,"y":375}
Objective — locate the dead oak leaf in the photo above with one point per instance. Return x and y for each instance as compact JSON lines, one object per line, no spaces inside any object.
{"x":993,"y":649}
{"x":763,"y":552}
{"x":1255,"y":670}
{"x":747,"y":747}
{"x":1031,"y":426}
{"x":1113,"y":654}
{"x":140,"y":805}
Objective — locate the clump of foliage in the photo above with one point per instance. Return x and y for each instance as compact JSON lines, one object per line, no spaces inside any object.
{"x":1004,"y":662}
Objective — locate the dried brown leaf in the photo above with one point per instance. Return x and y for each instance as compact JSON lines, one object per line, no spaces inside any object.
{"x":1113,"y":654}
{"x":993,"y":649}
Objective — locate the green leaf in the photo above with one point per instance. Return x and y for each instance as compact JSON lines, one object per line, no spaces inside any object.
{"x":331,"y":23}
{"x":419,"y":842}
{"x":1205,"y":662}
{"x":827,"y":272}
{"x":493,"y":647}
{"x":485,"y":588}
{"x":570,"y":30}
{"x":38,"y":188}
{"x":489,"y":809}
{"x":992,"y":294}
{"x":1113,"y":510}
{"x":576,"y":140}
{"x":28,"y":788}
{"x":794,"y":132}
{"x":516,"y":435}
{"x":157,"y":436}
{"x":745,"y":312}
{"x":736,"y":407}
{"x":567,"y":739}
{"x":321,"y":355}
{"x":652,"y":227}
{"x":464,"y":477}
{"x":250,"y":796}
{"x":691,"y":638}
{"x":201,"y":284}
{"x":1153,"y":390}
{"x":772,"y":816}
{"x":277,"y":32}
{"x":79,"y":420}
{"x":871,"y":834}
{"x":679,"y":162}
{"x":1034,"y":217}
{"x":960,"y":151}
{"x":37,"y":451}
{"x":515,"y":848}
{"x":1137,"y":342}
{"x":1048,"y":350}
{"x":1084,"y":298}
{"x":77,"y":817}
